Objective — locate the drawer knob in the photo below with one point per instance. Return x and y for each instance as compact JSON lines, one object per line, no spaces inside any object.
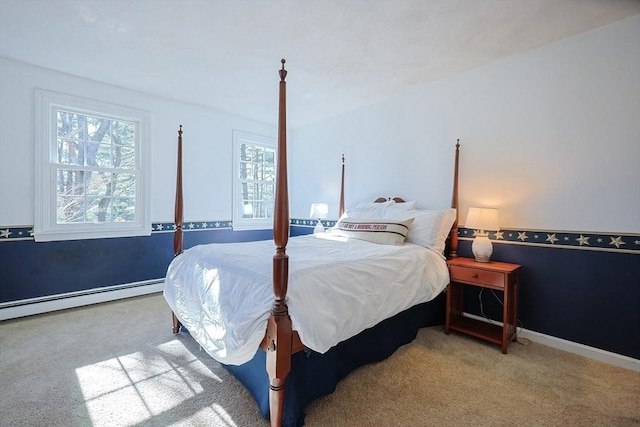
{"x":474,"y":275}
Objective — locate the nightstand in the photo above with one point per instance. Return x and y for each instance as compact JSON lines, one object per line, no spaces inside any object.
{"x":499,"y":276}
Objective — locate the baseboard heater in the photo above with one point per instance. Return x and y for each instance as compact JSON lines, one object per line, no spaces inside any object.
{"x":31,"y":306}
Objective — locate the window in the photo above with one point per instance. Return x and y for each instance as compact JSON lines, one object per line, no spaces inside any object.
{"x":254,"y":180}
{"x":91,"y":169}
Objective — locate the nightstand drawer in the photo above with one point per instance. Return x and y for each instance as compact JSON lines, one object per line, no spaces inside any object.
{"x":474,"y":275}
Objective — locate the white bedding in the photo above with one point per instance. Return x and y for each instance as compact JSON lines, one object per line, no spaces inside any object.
{"x":223,"y":293}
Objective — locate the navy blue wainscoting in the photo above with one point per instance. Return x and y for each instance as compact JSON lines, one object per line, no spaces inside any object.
{"x":31,"y":270}
{"x":585,"y":296}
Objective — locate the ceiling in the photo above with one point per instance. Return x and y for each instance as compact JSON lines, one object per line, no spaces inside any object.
{"x":341,"y":55}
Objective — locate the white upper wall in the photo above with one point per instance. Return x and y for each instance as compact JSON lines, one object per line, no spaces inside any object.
{"x":551,"y":137}
{"x":207,"y":144}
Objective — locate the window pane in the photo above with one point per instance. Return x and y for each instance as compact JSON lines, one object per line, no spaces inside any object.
{"x":98,"y":184}
{"x":248,"y":170}
{"x":269,"y":206}
{"x":124,"y":185}
{"x":103,"y":156}
{"x":98,"y":129}
{"x":258,"y":210}
{"x":124,"y":209}
{"x":98,"y":209}
{"x":245,"y":152}
{"x":124,"y":133}
{"x":254,"y":192}
{"x":98,"y":143}
{"x":69,"y":209}
{"x":270,"y":157}
{"x":72,"y":132}
{"x":258,"y":154}
{"x":67,"y":124}
{"x":269,"y":199}
{"x":70,"y":182}
{"x":246,"y":209}
{"x":257,"y":172}
{"x":243,"y":170}
{"x":68,"y":152}
{"x":124,"y":157}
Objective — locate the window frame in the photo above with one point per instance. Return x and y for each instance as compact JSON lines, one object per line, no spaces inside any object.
{"x":239,"y":137}
{"x":46,"y":228}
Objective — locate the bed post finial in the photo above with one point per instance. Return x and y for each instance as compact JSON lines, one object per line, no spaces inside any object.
{"x":283,"y":72}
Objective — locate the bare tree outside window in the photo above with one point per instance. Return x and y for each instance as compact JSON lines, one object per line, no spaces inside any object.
{"x":254,"y":179}
{"x":257,"y":179}
{"x":96,"y":164}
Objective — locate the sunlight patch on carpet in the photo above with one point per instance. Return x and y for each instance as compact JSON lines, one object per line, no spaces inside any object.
{"x":139,"y":386}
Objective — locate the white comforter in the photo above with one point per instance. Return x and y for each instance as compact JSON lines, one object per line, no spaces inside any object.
{"x":223,"y":293}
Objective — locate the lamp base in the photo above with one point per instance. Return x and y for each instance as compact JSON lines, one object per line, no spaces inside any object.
{"x":482,"y":247}
{"x":319,"y":228}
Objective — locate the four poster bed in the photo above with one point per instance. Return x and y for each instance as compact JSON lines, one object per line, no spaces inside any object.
{"x":356,"y":294}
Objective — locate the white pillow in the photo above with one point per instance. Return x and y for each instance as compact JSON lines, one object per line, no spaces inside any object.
{"x":374,"y":205}
{"x":430,"y":228}
{"x":384,"y":231}
{"x":406,"y":206}
{"x":368,"y":210}
{"x":362,"y":213}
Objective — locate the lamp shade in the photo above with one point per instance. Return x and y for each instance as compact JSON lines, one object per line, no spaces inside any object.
{"x":482,"y":219}
{"x":319,"y":210}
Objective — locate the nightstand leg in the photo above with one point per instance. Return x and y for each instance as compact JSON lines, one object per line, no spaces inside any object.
{"x":454,"y":305}
{"x":447,"y":322}
{"x":515,"y":312}
{"x":506,"y":318}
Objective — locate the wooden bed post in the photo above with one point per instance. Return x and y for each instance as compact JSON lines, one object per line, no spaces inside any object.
{"x":178,"y":242}
{"x":453,"y":235}
{"x":279,"y":329}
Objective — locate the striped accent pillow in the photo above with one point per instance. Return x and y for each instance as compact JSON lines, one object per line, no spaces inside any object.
{"x":384,"y":231}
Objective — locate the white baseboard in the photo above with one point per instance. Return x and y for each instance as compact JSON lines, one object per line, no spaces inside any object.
{"x":33,"y":306}
{"x":573,"y":347}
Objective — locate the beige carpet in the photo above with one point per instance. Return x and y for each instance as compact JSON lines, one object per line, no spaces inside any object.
{"x":117,"y":364}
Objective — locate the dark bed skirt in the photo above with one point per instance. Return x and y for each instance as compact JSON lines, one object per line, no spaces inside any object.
{"x":314,"y":375}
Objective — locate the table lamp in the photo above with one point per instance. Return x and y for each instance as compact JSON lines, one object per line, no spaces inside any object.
{"x":319,"y":211}
{"x":481,"y":219}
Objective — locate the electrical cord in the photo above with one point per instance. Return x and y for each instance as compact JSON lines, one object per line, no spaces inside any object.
{"x":522,"y":341}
